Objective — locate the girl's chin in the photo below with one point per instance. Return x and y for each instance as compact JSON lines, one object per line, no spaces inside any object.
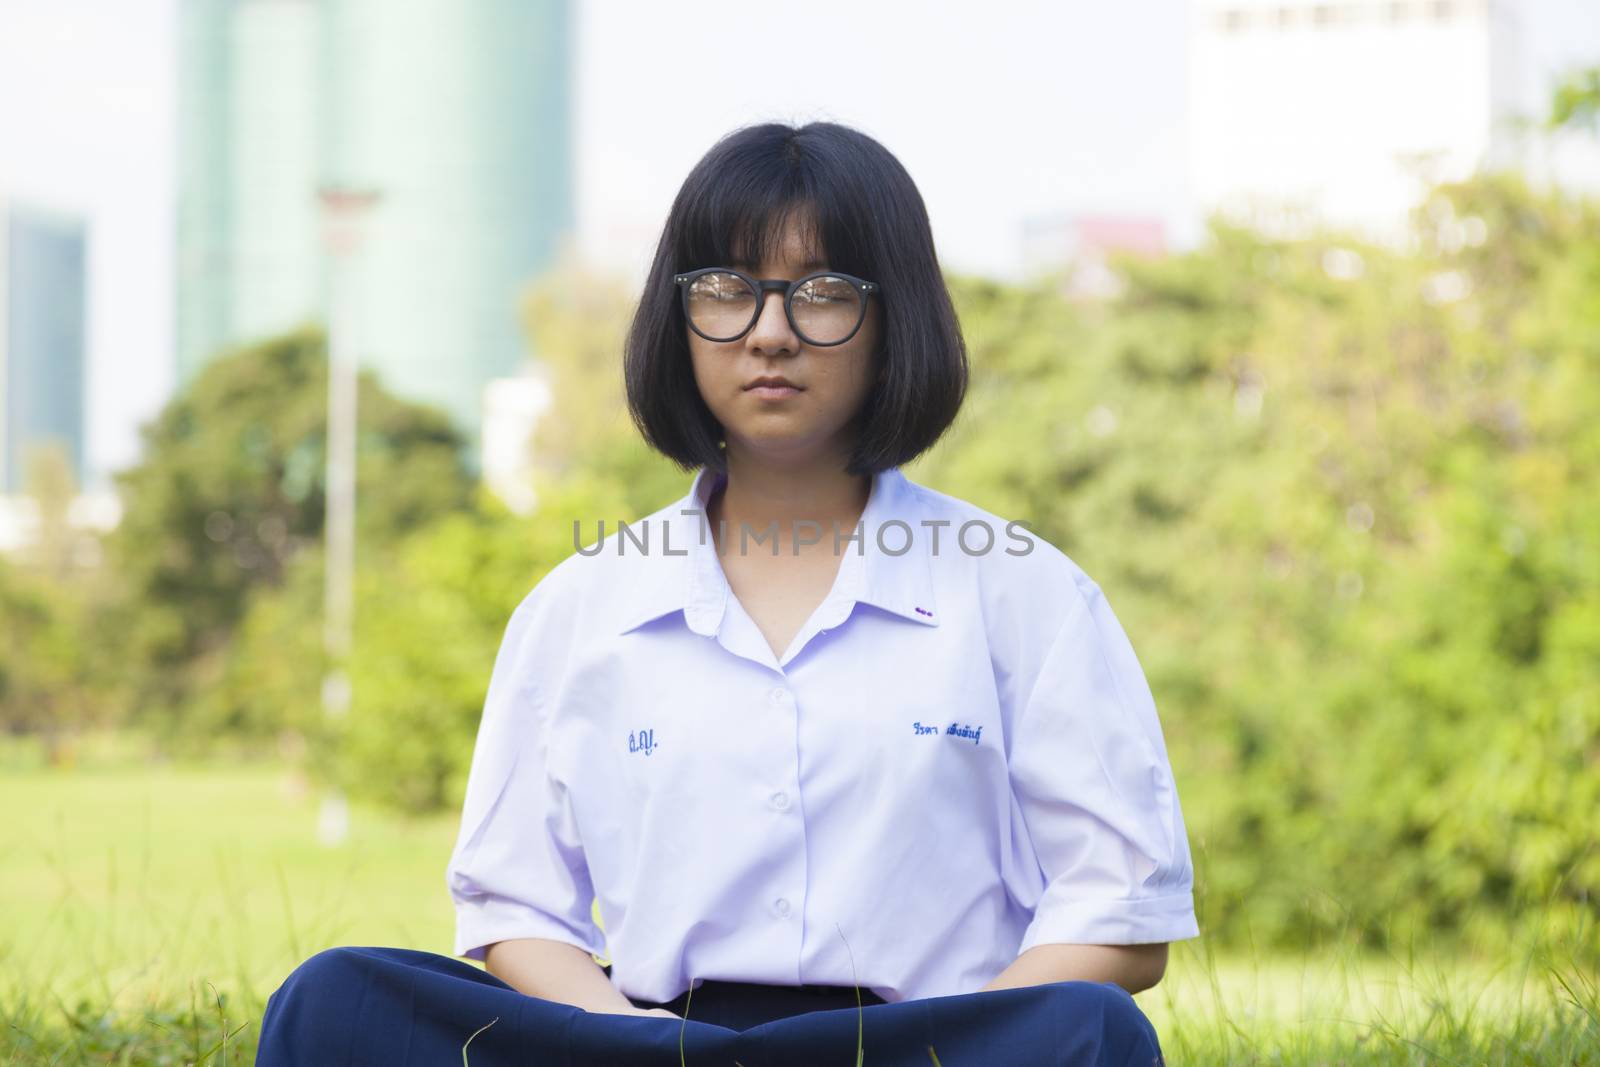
{"x":786,"y":442}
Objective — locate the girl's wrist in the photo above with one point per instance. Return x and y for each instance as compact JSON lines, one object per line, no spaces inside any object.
{"x":632,"y":1009}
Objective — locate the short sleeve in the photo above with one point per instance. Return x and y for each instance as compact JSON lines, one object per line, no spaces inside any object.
{"x":518,"y":868}
{"x":1090,"y":774}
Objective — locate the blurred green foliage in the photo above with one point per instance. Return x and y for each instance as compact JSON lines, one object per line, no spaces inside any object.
{"x":52,"y":682}
{"x":1576,"y":100}
{"x":226,"y":500}
{"x":1345,"y":499}
{"x":431,"y":613}
{"x":43,"y":661}
{"x":1347,"y":502}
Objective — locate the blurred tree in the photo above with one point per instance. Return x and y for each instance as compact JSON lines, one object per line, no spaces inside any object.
{"x":1576,"y":100}
{"x":49,"y":483}
{"x":577,"y":320}
{"x":42,"y":659}
{"x":51,"y":684}
{"x":230,"y":490}
{"x":416,"y":699}
{"x":1347,"y":504}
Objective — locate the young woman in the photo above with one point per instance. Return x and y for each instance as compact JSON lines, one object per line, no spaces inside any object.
{"x":810,"y":730}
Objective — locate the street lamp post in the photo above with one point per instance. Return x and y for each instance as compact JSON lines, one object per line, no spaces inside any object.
{"x":344,"y":213}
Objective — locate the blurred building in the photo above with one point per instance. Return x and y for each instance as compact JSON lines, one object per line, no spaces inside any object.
{"x":43,"y":400}
{"x":1341,"y":111}
{"x":43,"y":304}
{"x":511,"y":410}
{"x":456,"y":112}
{"x":1079,"y":248}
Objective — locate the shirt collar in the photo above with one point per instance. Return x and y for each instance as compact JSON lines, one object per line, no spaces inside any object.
{"x":682,"y":570}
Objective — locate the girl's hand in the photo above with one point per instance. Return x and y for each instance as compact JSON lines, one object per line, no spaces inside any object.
{"x":665,"y":1013}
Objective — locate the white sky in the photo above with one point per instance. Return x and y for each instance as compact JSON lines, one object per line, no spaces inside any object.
{"x":998,"y":110}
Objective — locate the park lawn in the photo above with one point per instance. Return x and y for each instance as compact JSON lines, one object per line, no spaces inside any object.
{"x":139,"y":892}
{"x":128,"y":881}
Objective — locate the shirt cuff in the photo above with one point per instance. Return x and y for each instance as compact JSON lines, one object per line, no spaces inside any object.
{"x":481,"y":923}
{"x":1113,"y":922}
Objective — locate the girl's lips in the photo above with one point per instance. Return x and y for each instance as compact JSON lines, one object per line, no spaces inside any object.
{"x":772,"y":392}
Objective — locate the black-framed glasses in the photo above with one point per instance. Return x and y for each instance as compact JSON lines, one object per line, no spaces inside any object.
{"x":824,"y":308}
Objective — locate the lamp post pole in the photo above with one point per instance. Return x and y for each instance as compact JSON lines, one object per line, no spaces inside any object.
{"x":344,"y":213}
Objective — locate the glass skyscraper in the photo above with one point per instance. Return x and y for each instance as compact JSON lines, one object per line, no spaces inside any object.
{"x":43,"y":286}
{"x":456,"y":112}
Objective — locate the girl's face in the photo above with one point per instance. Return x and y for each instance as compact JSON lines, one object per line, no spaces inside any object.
{"x":831,"y":383}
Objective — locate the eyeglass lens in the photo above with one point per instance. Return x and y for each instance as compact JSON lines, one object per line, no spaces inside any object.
{"x":723,"y":306}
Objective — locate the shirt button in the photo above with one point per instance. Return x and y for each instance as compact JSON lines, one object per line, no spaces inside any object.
{"x":780,"y":801}
{"x":781,"y":698}
{"x":781,"y":906}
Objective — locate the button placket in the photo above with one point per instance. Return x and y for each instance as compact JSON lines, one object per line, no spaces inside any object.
{"x":780,"y":698}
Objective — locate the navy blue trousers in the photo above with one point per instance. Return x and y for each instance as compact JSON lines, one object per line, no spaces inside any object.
{"x":396,"y":1007}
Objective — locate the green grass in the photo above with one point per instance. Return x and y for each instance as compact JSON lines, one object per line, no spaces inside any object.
{"x":146,"y":914}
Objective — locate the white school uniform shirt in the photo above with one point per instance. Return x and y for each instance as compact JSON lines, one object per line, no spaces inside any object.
{"x":956,"y":758}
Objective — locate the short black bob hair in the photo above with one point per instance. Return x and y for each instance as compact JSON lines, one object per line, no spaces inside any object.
{"x":869,"y":220}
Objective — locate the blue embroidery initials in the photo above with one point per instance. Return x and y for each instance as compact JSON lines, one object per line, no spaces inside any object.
{"x":644,"y":742}
{"x":952,"y":730}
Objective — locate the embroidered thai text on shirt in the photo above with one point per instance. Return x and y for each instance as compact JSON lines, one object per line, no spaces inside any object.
{"x":964,"y":730}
